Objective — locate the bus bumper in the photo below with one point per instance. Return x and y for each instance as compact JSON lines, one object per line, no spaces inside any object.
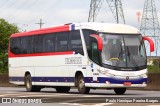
{"x":95,"y":85}
{"x":104,"y":82}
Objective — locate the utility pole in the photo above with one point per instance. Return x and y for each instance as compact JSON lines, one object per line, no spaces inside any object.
{"x":40,"y":23}
{"x":150,"y":25}
{"x":115,"y":6}
{"x":117,"y":10}
{"x":94,"y":9}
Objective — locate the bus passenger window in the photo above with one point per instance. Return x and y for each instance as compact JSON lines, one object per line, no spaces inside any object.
{"x":76,"y":42}
{"x":36,"y":43}
{"x":62,"y":41}
{"x":15,"y":45}
{"x":49,"y":43}
{"x":24,"y":45}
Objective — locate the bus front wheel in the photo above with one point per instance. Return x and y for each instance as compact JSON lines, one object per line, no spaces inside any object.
{"x":81,"y":85}
{"x":29,"y":86}
{"x":119,"y":91}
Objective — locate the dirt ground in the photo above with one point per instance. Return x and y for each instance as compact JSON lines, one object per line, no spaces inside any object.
{"x":153,"y":81}
{"x":4,"y":81}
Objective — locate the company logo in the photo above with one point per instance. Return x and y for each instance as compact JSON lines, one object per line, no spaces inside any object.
{"x":127,"y":78}
{"x":6,"y":100}
{"x":73,"y":60}
{"x":20,"y":100}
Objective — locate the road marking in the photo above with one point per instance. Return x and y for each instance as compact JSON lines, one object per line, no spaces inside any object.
{"x":39,"y":95}
{"x":93,"y":96}
{"x":26,"y":94}
{"x":74,"y":104}
{"x":78,"y":104}
{"x":4,"y":95}
{"x":153,"y":105}
{"x":102,"y":104}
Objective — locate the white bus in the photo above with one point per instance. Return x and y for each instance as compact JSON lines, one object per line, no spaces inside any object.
{"x":82,"y":55}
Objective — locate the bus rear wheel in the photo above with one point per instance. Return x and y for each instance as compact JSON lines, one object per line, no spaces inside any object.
{"x":29,"y":86}
{"x":62,"y":89}
{"x":81,"y":85}
{"x":119,"y":91}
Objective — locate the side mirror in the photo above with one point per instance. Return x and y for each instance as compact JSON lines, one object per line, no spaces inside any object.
{"x":150,"y":42}
{"x":99,"y":41}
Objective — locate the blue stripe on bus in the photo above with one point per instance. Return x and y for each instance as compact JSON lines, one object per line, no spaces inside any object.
{"x":53,"y":79}
{"x":73,"y":27}
{"x":16,"y":78}
{"x":114,"y":81}
{"x":45,"y":79}
{"x":121,"y":81}
{"x":86,"y":79}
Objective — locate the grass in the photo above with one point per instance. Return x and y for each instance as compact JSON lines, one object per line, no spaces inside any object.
{"x":153,"y":69}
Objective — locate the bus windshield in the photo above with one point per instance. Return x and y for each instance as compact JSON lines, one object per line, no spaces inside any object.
{"x":124,"y":52}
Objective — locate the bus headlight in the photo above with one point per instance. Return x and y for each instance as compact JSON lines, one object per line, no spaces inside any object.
{"x":102,"y":72}
{"x":105,"y":72}
{"x":109,"y":74}
{"x":143,"y":75}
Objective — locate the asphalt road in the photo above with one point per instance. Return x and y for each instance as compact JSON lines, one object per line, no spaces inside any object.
{"x":49,"y":97}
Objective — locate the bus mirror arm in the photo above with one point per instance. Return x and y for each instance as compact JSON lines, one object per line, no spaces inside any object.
{"x":99,"y":41}
{"x":150,"y":42}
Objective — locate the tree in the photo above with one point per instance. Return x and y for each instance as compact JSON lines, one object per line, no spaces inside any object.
{"x":6,"y":29}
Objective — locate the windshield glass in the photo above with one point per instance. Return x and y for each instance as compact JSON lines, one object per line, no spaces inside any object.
{"x":123,"y":51}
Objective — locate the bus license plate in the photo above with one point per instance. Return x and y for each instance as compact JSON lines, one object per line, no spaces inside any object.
{"x":127,"y":83}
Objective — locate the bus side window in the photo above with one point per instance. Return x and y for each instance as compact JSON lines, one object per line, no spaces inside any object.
{"x":36,"y":44}
{"x":24,"y":45}
{"x":49,"y":43}
{"x":62,"y":42}
{"x":15,"y":45}
{"x":94,"y":51}
{"x":75,"y":42}
{"x":86,"y":34}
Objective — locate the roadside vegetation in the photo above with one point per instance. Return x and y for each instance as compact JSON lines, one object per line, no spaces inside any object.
{"x":155,"y":67}
{"x":6,"y":29}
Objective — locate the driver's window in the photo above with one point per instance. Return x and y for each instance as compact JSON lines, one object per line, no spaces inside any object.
{"x":112,"y":49}
{"x":94,"y":51}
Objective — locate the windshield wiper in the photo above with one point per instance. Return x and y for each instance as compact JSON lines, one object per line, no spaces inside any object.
{"x":117,"y":63}
{"x":133,"y":61}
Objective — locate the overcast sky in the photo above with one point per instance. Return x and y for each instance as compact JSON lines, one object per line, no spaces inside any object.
{"x":25,"y":13}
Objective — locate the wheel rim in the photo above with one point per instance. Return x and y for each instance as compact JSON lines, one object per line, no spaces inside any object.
{"x":28,"y":84}
{"x":81,"y":84}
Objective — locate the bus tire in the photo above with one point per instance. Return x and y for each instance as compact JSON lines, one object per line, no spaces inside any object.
{"x":29,"y":86}
{"x":62,"y":89}
{"x":81,"y":85}
{"x":119,"y":91}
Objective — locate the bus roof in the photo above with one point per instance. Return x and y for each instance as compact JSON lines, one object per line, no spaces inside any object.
{"x":110,"y":28}
{"x":42,"y":31}
{"x":101,"y":27}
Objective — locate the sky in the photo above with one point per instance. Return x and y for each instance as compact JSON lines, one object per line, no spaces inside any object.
{"x":26,"y":13}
